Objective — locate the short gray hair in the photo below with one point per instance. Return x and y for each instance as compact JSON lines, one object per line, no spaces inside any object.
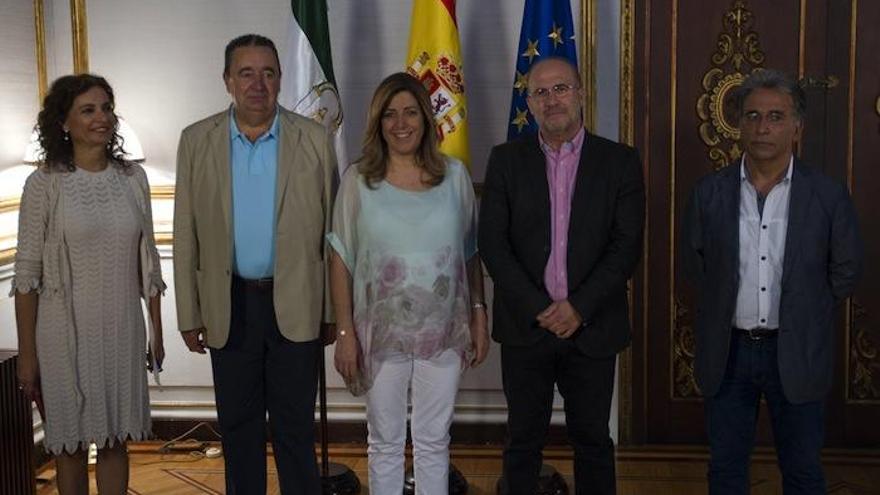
{"x":772,"y":79}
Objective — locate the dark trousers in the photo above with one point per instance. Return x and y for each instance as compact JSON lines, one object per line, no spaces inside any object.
{"x":798,"y":429}
{"x":586,"y":385}
{"x":258,"y":370}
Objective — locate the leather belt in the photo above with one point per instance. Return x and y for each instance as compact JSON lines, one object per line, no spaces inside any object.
{"x":254,"y":283}
{"x":757,"y":333}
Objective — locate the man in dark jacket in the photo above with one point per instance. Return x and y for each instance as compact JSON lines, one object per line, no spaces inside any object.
{"x":561,"y":226}
{"x":773,"y":245}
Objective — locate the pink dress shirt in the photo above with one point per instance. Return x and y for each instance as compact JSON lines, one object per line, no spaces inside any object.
{"x":562,"y":166}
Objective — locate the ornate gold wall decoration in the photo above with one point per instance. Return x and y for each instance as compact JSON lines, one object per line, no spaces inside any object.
{"x":738,"y":53}
{"x":864,"y":359}
{"x":684,"y":386}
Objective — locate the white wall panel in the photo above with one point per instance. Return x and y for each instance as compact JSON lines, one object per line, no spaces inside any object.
{"x":19,"y":93}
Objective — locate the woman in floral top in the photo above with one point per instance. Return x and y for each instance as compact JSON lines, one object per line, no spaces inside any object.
{"x":407,"y":285}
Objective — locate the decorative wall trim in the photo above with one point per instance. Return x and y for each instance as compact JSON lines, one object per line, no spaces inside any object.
{"x":673,"y":107}
{"x":851,"y":104}
{"x":9,"y":204}
{"x":79,"y":32}
{"x":157,"y":193}
{"x":684,"y":385}
{"x":863,"y":359}
{"x":162,"y":192}
{"x":737,"y":54}
{"x":589,"y":48}
{"x":7,"y":256}
{"x":859,"y":385}
{"x":355,"y":432}
{"x":40,"y":48}
{"x":626,"y":135}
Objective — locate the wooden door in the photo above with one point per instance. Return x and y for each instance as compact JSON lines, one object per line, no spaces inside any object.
{"x":688,"y":57}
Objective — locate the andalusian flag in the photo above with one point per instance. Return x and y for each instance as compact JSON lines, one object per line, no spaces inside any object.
{"x":434,"y":57}
{"x":308,"y":86}
{"x":547,"y":31}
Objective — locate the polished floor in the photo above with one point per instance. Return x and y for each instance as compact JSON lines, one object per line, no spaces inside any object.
{"x":644,"y":470}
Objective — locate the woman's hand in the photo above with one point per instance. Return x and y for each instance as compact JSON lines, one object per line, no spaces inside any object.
{"x":347,"y":355}
{"x":29,"y":380}
{"x":156,"y":353}
{"x":479,"y":336}
{"x":160,"y":352}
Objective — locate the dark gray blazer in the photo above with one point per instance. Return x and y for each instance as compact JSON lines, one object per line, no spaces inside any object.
{"x":604,"y":240}
{"x":822,"y":261}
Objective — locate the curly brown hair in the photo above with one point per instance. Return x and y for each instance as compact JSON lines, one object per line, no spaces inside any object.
{"x":57,"y":152}
{"x":373,"y":164}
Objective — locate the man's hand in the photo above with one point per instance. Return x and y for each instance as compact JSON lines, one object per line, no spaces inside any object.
{"x":328,"y":333}
{"x":194,"y":339}
{"x":560,"y":318}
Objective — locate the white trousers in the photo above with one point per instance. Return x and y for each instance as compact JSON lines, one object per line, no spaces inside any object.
{"x":434,"y":383}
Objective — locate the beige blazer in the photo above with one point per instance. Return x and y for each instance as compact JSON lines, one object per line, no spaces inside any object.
{"x":203,"y":236}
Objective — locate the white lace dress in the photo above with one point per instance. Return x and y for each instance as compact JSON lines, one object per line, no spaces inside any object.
{"x":78,"y":246}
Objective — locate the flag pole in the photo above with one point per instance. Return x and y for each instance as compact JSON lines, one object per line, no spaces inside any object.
{"x":336,"y":479}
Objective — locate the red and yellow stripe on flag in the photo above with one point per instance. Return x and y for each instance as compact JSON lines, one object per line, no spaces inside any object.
{"x":434,"y":57}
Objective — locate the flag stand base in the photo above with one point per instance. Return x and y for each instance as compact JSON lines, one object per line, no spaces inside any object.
{"x":339,"y":480}
{"x":550,"y":482}
{"x":458,"y":485}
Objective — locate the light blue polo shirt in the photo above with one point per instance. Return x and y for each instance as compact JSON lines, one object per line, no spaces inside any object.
{"x":254,"y":170}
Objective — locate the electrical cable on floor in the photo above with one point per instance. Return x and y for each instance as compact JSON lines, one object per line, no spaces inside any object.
{"x":197,"y":449}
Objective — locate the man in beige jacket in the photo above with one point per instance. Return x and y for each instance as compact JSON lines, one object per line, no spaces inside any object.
{"x":253,"y":201}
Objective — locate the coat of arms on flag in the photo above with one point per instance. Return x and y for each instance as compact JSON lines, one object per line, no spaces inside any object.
{"x":445,"y":86}
{"x":322,"y":104}
{"x":434,"y":58}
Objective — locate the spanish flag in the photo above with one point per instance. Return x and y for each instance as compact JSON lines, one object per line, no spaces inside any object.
{"x":434,"y":57}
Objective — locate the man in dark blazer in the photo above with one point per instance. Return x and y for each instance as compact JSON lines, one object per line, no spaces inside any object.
{"x":561,"y":223}
{"x":773,"y":245}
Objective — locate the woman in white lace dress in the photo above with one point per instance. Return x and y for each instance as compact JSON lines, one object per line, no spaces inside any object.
{"x":86,"y":256}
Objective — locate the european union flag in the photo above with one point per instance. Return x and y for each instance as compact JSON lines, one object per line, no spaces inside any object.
{"x":547,"y":31}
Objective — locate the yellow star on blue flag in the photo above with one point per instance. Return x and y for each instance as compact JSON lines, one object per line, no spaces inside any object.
{"x":544,"y":32}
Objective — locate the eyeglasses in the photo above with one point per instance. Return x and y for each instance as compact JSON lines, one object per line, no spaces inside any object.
{"x":559,"y":90}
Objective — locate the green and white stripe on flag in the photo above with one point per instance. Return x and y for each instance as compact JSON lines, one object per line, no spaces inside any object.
{"x":308,"y":86}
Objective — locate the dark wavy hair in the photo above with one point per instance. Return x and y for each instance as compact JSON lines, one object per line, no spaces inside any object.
{"x":57,"y":153}
{"x":248,"y":40}
{"x":373,"y":164}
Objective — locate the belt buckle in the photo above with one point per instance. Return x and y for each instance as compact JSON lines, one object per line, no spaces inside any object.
{"x":752,"y":335}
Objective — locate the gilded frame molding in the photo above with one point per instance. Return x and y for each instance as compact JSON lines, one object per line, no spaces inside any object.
{"x":80,"y":34}
{"x":589,"y":44}
{"x":588,"y":49}
{"x":626,"y":135}
{"x":40,"y":38}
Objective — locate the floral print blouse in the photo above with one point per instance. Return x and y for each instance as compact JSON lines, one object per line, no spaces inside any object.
{"x":406,"y":253}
